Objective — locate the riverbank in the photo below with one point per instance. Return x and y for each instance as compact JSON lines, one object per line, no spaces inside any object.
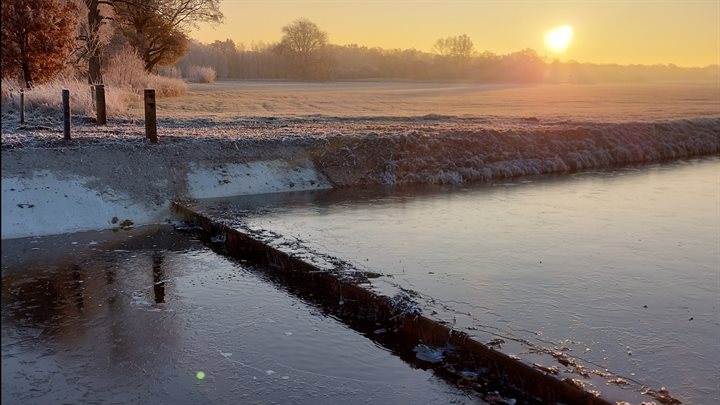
{"x":112,"y":177}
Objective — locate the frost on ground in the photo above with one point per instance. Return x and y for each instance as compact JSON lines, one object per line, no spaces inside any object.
{"x":411,"y":150}
{"x":399,"y":133}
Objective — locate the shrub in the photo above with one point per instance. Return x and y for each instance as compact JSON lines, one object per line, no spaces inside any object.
{"x":126,"y":71}
{"x":201,"y":74}
{"x":125,"y":80}
{"x":170,"y":71}
{"x":46,"y":98}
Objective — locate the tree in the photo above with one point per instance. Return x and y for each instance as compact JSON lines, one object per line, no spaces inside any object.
{"x":37,"y":38}
{"x":306,"y":46}
{"x":94,"y":35}
{"x":158,"y":29}
{"x":459,"y":49}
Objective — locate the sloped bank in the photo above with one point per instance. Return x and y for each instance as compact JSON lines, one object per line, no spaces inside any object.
{"x":484,"y":154}
{"x":77,"y":188}
{"x":92,"y":183}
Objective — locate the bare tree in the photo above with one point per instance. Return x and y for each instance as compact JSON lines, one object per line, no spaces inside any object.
{"x":305,"y":44}
{"x":442,"y":47}
{"x":158,"y":29}
{"x":94,"y":35}
{"x":37,"y":37}
{"x":460,"y":49}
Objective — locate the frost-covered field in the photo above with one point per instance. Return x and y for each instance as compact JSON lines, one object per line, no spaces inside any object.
{"x":639,"y":102}
{"x":394,"y":133}
{"x":252,"y":109}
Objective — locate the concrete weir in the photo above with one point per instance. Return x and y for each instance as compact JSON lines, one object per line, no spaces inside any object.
{"x":348,"y":297}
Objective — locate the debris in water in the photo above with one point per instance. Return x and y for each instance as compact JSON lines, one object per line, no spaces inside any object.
{"x":404,"y":304}
{"x":581,"y":370}
{"x":269,"y":372}
{"x":496,"y":342}
{"x":429,"y":354}
{"x":576,"y":383}
{"x":549,"y":370}
{"x":605,"y":373}
{"x":618,"y":381}
{"x":662,"y":395}
{"x":200,"y":375}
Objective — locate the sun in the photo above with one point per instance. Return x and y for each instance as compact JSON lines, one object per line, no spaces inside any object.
{"x":558,"y":39}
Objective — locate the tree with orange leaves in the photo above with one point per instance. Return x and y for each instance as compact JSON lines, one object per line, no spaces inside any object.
{"x":37,"y":38}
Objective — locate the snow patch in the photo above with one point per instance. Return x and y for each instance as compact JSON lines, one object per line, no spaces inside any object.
{"x":225,"y":180}
{"x":45,"y":204}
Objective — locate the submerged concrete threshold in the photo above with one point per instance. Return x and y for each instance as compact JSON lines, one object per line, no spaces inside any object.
{"x":347,"y":295}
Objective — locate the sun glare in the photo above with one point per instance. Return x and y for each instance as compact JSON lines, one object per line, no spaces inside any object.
{"x":558,"y":39}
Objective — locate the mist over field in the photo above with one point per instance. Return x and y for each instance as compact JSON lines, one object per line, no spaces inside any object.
{"x":470,"y":216}
{"x":358,"y":62}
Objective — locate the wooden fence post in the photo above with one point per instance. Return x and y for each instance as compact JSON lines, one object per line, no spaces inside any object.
{"x":100,"y":104}
{"x":22,"y":106}
{"x":150,"y":117}
{"x":66,"y":113}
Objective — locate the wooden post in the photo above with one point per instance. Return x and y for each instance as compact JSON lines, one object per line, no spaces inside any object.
{"x":22,"y":106}
{"x":100,"y":103}
{"x":66,"y":113}
{"x":150,"y":118}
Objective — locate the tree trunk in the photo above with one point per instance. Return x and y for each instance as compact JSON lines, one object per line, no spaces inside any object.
{"x":94,"y":20}
{"x":27,"y":76}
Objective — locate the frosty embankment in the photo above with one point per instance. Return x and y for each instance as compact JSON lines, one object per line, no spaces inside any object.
{"x":109,"y":176}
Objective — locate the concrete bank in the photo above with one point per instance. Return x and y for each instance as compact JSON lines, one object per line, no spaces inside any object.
{"x":52,"y":191}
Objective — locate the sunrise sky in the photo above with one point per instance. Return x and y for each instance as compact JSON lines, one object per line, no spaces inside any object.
{"x":686,"y":33}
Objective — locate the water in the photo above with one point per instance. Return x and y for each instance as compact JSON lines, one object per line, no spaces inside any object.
{"x":132,"y":317}
{"x":620,"y":268}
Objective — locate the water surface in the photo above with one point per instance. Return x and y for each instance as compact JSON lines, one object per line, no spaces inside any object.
{"x":619,"y":268}
{"x":133,"y":317}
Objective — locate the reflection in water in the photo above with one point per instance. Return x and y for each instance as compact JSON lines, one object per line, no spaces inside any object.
{"x":77,"y":285}
{"x":158,"y":279}
{"x":93,"y":333}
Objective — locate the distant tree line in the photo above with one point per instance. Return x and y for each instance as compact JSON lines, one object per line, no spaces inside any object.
{"x":41,"y":38}
{"x":304,"y":53}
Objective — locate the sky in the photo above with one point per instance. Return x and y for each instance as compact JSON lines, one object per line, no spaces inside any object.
{"x":685,"y":33}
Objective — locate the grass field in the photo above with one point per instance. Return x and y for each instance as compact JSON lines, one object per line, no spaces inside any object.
{"x":637,"y":102}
